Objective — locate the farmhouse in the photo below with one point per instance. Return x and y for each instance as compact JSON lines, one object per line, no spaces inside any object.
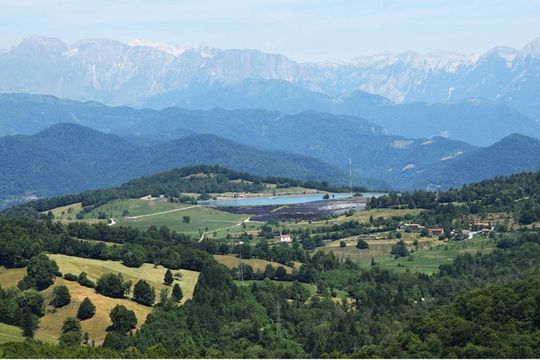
{"x":479,"y":225}
{"x":436,"y":231}
{"x":285,"y":238}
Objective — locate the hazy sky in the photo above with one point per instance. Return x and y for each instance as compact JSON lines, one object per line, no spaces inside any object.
{"x":302,"y":29}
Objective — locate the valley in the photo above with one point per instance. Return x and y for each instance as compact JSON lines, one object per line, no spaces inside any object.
{"x":173,"y":186}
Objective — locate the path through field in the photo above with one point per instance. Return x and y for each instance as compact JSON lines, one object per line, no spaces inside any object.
{"x":224,"y":228}
{"x":160,"y":213}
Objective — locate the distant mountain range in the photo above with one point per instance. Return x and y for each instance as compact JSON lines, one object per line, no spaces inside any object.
{"x":118,"y":73}
{"x":143,"y":73}
{"x":310,"y":145}
{"x":475,"y":120}
{"x":330,"y":138}
{"x":69,"y":158}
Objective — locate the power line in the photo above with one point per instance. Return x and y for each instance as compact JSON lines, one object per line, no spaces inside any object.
{"x":278,"y":323}
{"x":241,"y":269}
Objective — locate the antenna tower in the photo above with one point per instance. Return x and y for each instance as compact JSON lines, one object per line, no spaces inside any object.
{"x":350,"y":175}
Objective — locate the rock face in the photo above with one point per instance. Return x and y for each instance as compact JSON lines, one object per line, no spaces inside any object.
{"x":117,"y":73}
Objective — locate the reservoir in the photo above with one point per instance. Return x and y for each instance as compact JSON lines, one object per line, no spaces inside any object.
{"x":281,"y":200}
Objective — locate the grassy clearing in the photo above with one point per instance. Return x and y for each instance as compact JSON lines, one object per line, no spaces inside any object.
{"x":232,"y":261}
{"x":202,"y":219}
{"x":135,"y":207}
{"x":10,"y":333}
{"x":51,"y":323}
{"x":153,"y":275}
{"x":10,"y":277}
{"x":425,"y":258}
{"x":249,"y":227}
{"x":68,"y":213}
{"x":144,"y":213}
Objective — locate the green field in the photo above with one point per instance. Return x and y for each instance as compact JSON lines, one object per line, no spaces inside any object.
{"x":231,"y":261}
{"x":425,"y":258}
{"x":51,"y":323}
{"x":360,"y":216}
{"x":144,"y":213}
{"x":10,"y":333}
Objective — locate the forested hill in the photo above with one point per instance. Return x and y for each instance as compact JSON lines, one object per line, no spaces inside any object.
{"x":69,"y":158}
{"x":517,"y":195}
{"x":200,"y":179}
{"x":512,"y":154}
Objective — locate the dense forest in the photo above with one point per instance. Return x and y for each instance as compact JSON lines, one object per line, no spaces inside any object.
{"x":481,"y":305}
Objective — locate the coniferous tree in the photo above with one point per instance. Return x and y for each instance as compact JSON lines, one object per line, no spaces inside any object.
{"x":177,"y":292}
{"x":168,"y":278}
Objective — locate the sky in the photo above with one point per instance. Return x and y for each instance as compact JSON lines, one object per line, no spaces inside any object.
{"x":305,"y":30}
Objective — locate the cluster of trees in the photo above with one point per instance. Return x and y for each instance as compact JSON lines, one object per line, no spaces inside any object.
{"x":517,"y":194}
{"x":23,"y":238}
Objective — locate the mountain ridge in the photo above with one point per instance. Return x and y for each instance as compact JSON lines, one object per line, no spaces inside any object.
{"x":69,"y":158}
{"x":117,"y":73}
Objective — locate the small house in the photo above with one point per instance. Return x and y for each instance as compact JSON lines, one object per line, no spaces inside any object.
{"x":285,"y":238}
{"x":436,"y":231}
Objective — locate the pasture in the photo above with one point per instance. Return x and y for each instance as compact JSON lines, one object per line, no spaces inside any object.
{"x":426,"y":257}
{"x":142,"y":214}
{"x":51,"y":323}
{"x":153,"y":275}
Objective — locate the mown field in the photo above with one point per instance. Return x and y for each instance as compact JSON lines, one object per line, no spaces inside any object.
{"x":144,"y":213}
{"x":232,"y":261}
{"x":425,"y":258}
{"x":51,"y":323}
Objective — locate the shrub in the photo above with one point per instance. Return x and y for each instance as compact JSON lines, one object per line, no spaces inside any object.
{"x":86,"y":310}
{"x":61,"y":296}
{"x":362,"y":244}
{"x":85,"y":281}
{"x":71,"y":277}
{"x":112,"y":285}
